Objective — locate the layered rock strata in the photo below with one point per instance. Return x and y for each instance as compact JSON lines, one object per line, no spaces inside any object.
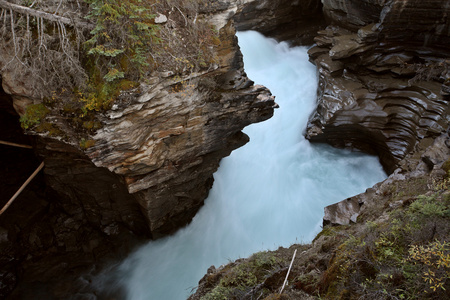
{"x":162,"y":144}
{"x":384,"y":87}
{"x":155,"y":154}
{"x":143,"y":174}
{"x":167,"y":142}
{"x":383,"y":78}
{"x":285,"y":20}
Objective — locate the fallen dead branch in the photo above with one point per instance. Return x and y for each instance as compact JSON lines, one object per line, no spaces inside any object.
{"x":45,"y":15}
{"x":21,"y":188}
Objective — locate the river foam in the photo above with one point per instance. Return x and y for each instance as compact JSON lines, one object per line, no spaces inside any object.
{"x":267,"y":194}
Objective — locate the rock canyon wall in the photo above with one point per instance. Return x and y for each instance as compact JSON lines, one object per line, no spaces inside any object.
{"x":142,"y":171}
{"x":383,"y":72}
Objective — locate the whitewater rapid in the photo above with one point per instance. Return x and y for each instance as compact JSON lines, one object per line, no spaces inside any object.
{"x":267,"y":194}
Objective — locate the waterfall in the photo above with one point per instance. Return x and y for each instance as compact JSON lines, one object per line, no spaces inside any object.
{"x":267,"y":194}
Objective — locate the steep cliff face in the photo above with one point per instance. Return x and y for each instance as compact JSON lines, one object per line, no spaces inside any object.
{"x":161,"y":143}
{"x":383,"y":71}
{"x":142,"y":169}
{"x":146,"y":166}
{"x":411,"y":21}
{"x":167,"y":142}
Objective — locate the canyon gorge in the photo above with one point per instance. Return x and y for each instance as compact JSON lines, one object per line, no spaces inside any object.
{"x":141,"y":168}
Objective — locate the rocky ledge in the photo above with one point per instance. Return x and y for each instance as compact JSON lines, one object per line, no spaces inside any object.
{"x":168,"y":141}
{"x":141,"y":170}
{"x":160,"y":142}
{"x":427,"y":162}
{"x":384,"y":79}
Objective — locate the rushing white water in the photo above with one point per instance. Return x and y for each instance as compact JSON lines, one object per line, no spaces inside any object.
{"x":267,"y":194}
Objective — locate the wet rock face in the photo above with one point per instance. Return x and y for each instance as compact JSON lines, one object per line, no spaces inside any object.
{"x":352,"y":14}
{"x":88,"y":193}
{"x":412,"y":21}
{"x":380,"y":92}
{"x":285,"y":20}
{"x":424,"y":23}
{"x":169,"y":143}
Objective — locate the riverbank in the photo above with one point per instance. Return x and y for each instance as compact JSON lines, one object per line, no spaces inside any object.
{"x":397,"y":248}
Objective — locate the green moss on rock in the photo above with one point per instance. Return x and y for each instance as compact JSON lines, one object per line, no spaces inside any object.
{"x":34,"y":114}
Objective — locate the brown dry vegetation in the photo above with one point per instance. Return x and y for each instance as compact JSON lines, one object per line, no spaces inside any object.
{"x":79,"y":70}
{"x":60,"y":56}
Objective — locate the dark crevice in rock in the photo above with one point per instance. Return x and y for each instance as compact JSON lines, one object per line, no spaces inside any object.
{"x":47,"y":238}
{"x":16,"y":164}
{"x":285,"y":20}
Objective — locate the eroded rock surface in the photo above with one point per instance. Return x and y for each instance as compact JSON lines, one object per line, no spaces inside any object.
{"x":381,"y":91}
{"x":383,"y":71}
{"x":164,"y":142}
{"x":168,"y":142}
{"x":142,"y":172}
{"x":426,"y":160}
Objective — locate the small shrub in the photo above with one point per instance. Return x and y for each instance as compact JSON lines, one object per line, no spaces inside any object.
{"x":218,"y":293}
{"x":263,"y":260}
{"x":446,"y":167}
{"x":435,"y":257}
{"x":50,"y":128}
{"x":241,"y":277}
{"x":428,"y":206}
{"x":328,"y":231}
{"x":34,"y":114}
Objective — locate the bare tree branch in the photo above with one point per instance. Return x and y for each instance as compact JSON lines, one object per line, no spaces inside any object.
{"x":41,"y":14}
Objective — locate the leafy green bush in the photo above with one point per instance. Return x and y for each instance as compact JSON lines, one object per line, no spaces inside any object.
{"x":84,"y":144}
{"x":428,"y":206}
